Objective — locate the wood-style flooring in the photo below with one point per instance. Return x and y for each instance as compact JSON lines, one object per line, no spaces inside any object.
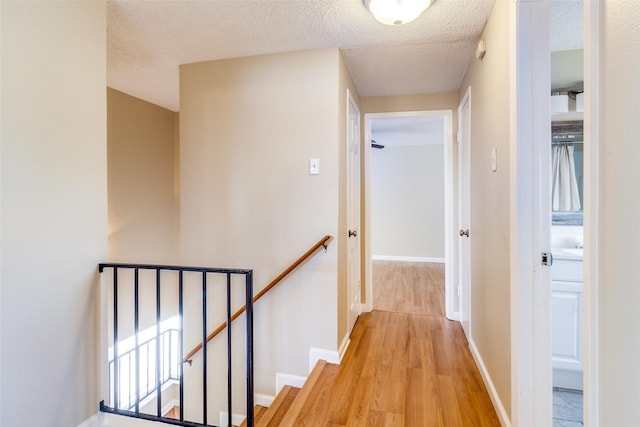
{"x":401,"y":369}
{"x":173,"y":413}
{"x":409,"y":287}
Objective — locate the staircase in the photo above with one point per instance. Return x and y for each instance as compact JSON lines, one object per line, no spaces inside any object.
{"x":306,"y":406}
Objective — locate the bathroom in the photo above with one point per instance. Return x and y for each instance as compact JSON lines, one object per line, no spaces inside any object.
{"x":567,"y":207}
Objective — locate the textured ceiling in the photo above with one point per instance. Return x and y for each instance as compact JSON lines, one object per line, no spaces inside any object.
{"x":148,"y":40}
{"x":567,"y":25}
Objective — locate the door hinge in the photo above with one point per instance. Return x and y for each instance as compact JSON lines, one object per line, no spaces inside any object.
{"x":547,"y":259}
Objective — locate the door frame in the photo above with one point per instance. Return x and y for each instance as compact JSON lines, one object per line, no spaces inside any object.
{"x":450,"y":222}
{"x":592,"y":16}
{"x":530,"y":340}
{"x":354,"y":309}
{"x":464,"y":291}
{"x":530,"y":83}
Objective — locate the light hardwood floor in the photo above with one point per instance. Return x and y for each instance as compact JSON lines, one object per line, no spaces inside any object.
{"x":402,"y":369}
{"x":409,"y":287}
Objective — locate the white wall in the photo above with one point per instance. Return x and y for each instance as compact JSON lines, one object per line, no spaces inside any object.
{"x":53,"y":210}
{"x":619,"y":210}
{"x":407,"y":196}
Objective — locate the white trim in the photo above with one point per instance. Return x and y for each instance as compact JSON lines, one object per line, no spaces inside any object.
{"x":450,"y":222}
{"x":316,"y":354}
{"x":92,"y":421}
{"x":263,"y":399}
{"x":354,"y":212}
{"x":367,"y":306}
{"x":592,"y":14}
{"x":405,"y":258}
{"x":447,"y":115}
{"x":459,"y":288}
{"x":288,"y":379}
{"x":455,"y":316}
{"x":516,"y":350}
{"x":493,"y":394}
{"x":344,"y":345}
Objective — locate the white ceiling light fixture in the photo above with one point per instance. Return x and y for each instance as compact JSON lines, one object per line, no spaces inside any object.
{"x":396,"y":12}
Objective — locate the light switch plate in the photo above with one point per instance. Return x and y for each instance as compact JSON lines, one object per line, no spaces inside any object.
{"x":494,"y":159}
{"x":314,"y":166}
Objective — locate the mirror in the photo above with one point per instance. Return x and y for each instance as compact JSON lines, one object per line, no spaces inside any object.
{"x":567,"y":172}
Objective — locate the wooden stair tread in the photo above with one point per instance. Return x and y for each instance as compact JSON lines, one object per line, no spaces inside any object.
{"x":274,"y":414}
{"x":258,"y":413}
{"x":313,"y":397}
{"x":320,"y":398}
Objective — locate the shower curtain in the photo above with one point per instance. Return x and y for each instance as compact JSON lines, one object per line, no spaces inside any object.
{"x":564,"y":195}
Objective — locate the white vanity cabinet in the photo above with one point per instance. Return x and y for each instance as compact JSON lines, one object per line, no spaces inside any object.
{"x":566,"y":319}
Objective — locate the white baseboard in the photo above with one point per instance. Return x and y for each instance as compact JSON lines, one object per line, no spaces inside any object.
{"x":453,"y":316}
{"x":316,"y":354}
{"x":493,"y":394}
{"x":343,"y":347}
{"x":288,"y":379}
{"x":263,"y":399}
{"x":405,"y":258}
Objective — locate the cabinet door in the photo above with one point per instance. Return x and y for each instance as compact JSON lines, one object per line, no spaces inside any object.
{"x":566,"y":312}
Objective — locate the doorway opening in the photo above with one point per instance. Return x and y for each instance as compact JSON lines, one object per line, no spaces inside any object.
{"x":408,"y":176}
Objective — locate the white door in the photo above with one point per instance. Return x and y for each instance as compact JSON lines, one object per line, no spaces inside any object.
{"x":353,"y":210}
{"x":531,"y":218}
{"x":464,"y":245}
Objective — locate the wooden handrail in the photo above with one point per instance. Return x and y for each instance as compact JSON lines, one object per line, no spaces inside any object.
{"x":322,"y":243}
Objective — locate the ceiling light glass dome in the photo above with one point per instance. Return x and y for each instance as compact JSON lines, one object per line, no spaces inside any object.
{"x":396,"y":12}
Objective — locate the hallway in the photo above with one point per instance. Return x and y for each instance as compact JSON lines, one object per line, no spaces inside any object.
{"x":403,"y":369}
{"x":409,"y":370}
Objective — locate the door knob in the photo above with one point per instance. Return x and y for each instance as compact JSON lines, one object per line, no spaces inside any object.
{"x":353,"y":233}
{"x":464,"y":233}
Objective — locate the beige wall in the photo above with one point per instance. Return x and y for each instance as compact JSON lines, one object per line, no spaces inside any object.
{"x":53,"y":208}
{"x":388,"y":104}
{"x":490,"y":314}
{"x":143,"y":203}
{"x":248,"y":128}
{"x":407,"y":206}
{"x":619,"y":210}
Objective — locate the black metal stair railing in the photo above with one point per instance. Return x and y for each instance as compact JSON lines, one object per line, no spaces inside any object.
{"x":131,"y":406}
